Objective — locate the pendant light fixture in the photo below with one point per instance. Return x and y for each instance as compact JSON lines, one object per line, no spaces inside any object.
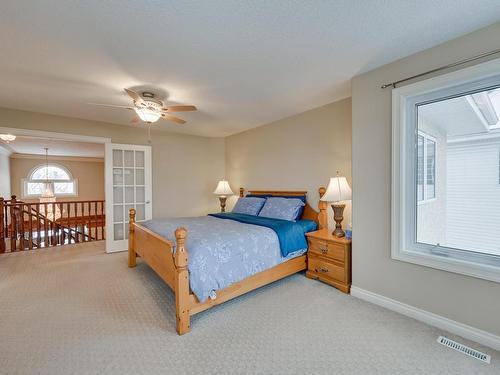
{"x":48,"y":191}
{"x":49,"y":208}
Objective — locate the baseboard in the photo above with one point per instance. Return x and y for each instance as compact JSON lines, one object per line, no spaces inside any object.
{"x":460,"y":329}
{"x":115,"y":251}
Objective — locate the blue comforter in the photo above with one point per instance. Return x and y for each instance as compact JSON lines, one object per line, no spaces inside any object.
{"x":290,"y":234}
{"x":223,"y":252}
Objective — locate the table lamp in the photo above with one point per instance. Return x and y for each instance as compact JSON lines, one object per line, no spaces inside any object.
{"x":223,"y":190}
{"x":337,"y":192}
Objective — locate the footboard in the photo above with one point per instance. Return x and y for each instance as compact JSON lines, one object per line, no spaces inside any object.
{"x":172,"y":268}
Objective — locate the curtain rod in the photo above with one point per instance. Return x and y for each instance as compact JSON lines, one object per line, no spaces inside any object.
{"x":461,"y":62}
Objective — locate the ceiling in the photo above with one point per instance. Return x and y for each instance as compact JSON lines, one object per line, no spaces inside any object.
{"x":242,"y":63}
{"x":36,"y":146}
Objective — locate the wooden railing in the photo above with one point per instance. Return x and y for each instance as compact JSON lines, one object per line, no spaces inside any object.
{"x":27,"y":226}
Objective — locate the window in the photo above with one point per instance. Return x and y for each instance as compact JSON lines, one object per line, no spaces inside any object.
{"x":426,"y":167}
{"x":446,"y":172}
{"x":62,"y":182}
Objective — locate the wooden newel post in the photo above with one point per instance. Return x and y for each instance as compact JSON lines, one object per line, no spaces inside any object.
{"x":132,"y":256}
{"x":323,"y":214}
{"x":2,"y":226}
{"x":181,"y":282}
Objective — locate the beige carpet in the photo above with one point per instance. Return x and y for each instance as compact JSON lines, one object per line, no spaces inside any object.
{"x":76,"y":310}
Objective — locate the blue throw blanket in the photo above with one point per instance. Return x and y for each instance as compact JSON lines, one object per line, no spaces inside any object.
{"x":290,"y":234}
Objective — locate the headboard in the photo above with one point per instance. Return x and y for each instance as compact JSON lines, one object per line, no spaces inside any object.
{"x":310,"y":213}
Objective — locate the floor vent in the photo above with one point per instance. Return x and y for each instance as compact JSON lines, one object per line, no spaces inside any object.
{"x":464,"y":349}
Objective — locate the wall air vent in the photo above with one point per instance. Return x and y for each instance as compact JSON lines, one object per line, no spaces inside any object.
{"x":464,"y":349}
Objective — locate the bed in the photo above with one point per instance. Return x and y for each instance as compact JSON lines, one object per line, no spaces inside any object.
{"x":201,"y":281}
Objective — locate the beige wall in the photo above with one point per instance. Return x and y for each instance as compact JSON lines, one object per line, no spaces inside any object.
{"x":89,"y":173}
{"x":297,"y":153}
{"x":465,"y":299}
{"x":185,"y":168}
{"x":4,"y":173}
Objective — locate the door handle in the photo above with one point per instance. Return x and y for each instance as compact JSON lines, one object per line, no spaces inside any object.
{"x":148,"y":202}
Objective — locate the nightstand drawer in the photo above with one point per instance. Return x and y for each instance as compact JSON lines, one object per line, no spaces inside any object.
{"x":323,"y":267}
{"x":328,"y":249}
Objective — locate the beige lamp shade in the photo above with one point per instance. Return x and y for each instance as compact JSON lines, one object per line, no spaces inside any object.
{"x":223,"y":189}
{"x":338,"y":190}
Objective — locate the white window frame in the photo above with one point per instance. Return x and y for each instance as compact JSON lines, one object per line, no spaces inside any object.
{"x":25,"y":181}
{"x":428,"y":138}
{"x":404,"y":246}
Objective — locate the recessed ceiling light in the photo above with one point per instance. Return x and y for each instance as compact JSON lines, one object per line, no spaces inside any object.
{"x":7,"y":137}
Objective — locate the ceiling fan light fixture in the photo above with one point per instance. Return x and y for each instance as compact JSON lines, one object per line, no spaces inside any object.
{"x":147,"y":115}
{"x":150,"y":109}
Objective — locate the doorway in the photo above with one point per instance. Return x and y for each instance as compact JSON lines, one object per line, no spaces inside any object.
{"x":75,"y":215}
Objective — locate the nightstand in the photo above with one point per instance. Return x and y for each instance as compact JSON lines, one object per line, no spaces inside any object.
{"x":329,"y":259}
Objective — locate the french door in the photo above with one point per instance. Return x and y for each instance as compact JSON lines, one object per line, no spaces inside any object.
{"x":128,"y":185}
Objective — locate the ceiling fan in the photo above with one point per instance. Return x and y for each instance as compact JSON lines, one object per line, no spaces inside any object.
{"x":150,"y":109}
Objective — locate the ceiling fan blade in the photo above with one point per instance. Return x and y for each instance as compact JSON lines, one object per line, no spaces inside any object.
{"x":135,"y":96}
{"x":111,"y":105}
{"x":180,"y":108}
{"x":135,"y":120}
{"x":172,"y":118}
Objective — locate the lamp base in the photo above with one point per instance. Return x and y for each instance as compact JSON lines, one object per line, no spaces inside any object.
{"x":338,"y":216}
{"x":222,"y":204}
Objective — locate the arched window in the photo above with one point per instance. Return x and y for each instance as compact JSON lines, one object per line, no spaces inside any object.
{"x":63,"y":183}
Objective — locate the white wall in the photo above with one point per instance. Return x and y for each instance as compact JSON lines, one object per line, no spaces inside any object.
{"x":465,"y":299}
{"x":5,"y":191}
{"x":185,"y":168}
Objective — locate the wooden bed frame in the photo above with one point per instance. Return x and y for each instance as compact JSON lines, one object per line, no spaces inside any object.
{"x":172,"y":268}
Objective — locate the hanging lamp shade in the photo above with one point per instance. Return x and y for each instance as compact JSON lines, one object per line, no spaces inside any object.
{"x":48,"y":188}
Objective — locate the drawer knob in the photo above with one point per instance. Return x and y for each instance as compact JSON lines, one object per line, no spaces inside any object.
{"x":323,"y":250}
{"x":324,"y":270}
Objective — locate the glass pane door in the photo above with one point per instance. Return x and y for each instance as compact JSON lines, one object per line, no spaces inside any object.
{"x":130,"y":187}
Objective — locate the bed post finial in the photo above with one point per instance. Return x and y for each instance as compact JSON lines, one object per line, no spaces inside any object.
{"x":323,"y":215}
{"x":181,"y":256}
{"x":131,"y":237}
{"x":181,"y":282}
{"x":242,"y":192}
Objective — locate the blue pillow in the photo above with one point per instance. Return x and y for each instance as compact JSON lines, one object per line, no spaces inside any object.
{"x":308,"y":225}
{"x":249,"y":206}
{"x":301,"y":197}
{"x":281,"y":208}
